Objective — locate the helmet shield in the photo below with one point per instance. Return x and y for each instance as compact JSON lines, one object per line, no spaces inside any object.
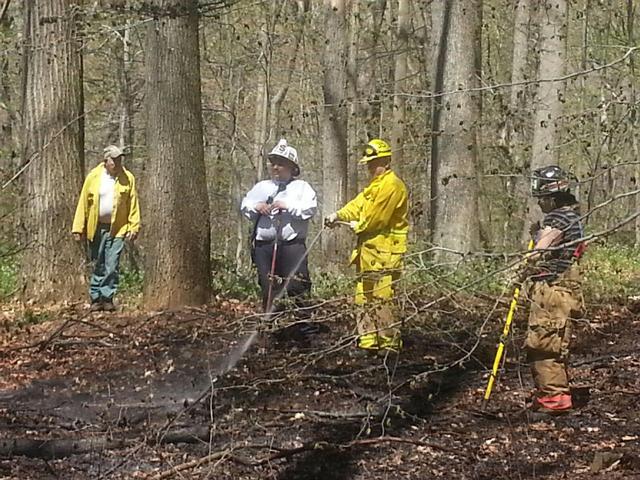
{"x":549,"y":180}
{"x":376,"y":148}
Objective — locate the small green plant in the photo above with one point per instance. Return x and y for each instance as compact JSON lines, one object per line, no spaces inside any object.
{"x":131,"y":281}
{"x":328,"y":284}
{"x":229,"y":283}
{"x":32,"y":317}
{"x":8,"y":272}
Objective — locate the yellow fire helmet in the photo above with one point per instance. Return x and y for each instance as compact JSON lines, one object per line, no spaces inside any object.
{"x":376,"y":148}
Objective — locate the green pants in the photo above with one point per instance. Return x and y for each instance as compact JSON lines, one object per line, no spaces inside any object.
{"x":105,"y":252}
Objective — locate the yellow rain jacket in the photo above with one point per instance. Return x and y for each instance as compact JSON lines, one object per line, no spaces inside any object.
{"x":126,"y":212}
{"x":381,"y":214}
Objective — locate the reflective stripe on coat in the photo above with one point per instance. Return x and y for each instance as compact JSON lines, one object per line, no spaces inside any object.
{"x":380,"y":211}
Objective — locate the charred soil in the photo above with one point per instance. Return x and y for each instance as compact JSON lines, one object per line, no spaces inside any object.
{"x":135,"y":395}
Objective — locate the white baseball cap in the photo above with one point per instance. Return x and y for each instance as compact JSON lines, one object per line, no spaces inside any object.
{"x":112,"y":152}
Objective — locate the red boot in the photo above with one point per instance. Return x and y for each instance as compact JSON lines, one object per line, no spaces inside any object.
{"x":553,"y":404}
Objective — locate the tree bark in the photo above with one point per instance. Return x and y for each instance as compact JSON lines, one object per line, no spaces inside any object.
{"x":334,"y":123}
{"x":52,"y":153}
{"x":7,"y":116}
{"x":518,"y":126}
{"x":354,"y":142}
{"x":400,"y":74}
{"x":126,"y":128}
{"x":454,"y":155}
{"x":549,"y":98}
{"x":176,"y":205}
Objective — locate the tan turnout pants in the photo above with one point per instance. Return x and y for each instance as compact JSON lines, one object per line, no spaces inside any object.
{"x":549,"y":331}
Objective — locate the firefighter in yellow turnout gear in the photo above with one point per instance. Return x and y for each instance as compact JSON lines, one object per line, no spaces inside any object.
{"x":378,"y":216}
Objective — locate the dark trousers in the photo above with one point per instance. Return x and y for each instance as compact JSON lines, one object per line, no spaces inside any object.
{"x":290,"y":258}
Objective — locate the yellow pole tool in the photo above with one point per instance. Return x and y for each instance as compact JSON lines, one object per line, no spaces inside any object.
{"x":503,"y":338}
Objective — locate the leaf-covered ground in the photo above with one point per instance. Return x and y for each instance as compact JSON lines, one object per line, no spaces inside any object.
{"x":139,"y":395}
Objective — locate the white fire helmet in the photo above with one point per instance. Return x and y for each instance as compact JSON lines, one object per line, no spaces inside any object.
{"x":283,"y":150}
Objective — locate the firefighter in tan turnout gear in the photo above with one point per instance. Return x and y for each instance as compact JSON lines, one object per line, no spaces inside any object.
{"x":554,"y":289}
{"x":378,"y":216}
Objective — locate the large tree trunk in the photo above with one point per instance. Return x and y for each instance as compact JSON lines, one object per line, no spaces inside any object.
{"x":176,"y":210}
{"x":53,"y":149}
{"x":334,"y":122}
{"x":549,"y":99}
{"x":456,"y":116}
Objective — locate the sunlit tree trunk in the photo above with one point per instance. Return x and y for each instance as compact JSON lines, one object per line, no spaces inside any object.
{"x":334,"y":122}
{"x":176,"y":209}
{"x":518,"y":126}
{"x":549,"y":97}
{"x":399,"y":77}
{"x":52,"y":153}
{"x":125,"y":130}
{"x":456,"y":116}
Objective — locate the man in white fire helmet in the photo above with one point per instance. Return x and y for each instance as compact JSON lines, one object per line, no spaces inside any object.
{"x":280,"y":209}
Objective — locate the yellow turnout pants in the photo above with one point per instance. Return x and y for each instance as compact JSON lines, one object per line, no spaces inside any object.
{"x":376,"y":322}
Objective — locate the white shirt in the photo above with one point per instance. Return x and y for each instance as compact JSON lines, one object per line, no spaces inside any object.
{"x":301,"y":205}
{"x":107,"y":194}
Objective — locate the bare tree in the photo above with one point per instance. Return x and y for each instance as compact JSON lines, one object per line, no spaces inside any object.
{"x":334,"y":120}
{"x":53,"y":148}
{"x":456,"y":115}
{"x":176,"y":206}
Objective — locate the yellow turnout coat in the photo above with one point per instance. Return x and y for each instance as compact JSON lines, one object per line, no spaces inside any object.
{"x":381,"y":214}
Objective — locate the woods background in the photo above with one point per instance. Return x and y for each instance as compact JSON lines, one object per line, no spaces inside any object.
{"x":473,"y":95}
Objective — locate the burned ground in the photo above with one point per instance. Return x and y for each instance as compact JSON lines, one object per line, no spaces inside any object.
{"x":136,"y":395}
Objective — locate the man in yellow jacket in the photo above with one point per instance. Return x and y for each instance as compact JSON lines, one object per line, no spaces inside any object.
{"x":378,"y":216}
{"x":106,"y":214}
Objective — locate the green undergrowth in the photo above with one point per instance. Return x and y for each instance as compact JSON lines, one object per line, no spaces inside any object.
{"x":8,"y":272}
{"x":611,"y":271}
{"x":130,"y":287}
{"x":229,"y":282}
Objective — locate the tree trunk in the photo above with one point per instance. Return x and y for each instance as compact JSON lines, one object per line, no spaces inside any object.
{"x":262,"y":110}
{"x":400,"y":74}
{"x":334,"y":123}
{"x":354,"y":142}
{"x":176,"y":204}
{"x":7,"y":116}
{"x":549,"y":98}
{"x":454,"y":155}
{"x":53,"y":149}
{"x":518,"y":123}
{"x":126,"y":130}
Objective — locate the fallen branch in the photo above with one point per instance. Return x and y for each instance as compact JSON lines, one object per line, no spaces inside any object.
{"x":58,"y":447}
{"x":64,"y":447}
{"x":193,"y":464}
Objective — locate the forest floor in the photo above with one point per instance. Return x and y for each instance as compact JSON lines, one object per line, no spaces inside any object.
{"x":135,"y":395}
